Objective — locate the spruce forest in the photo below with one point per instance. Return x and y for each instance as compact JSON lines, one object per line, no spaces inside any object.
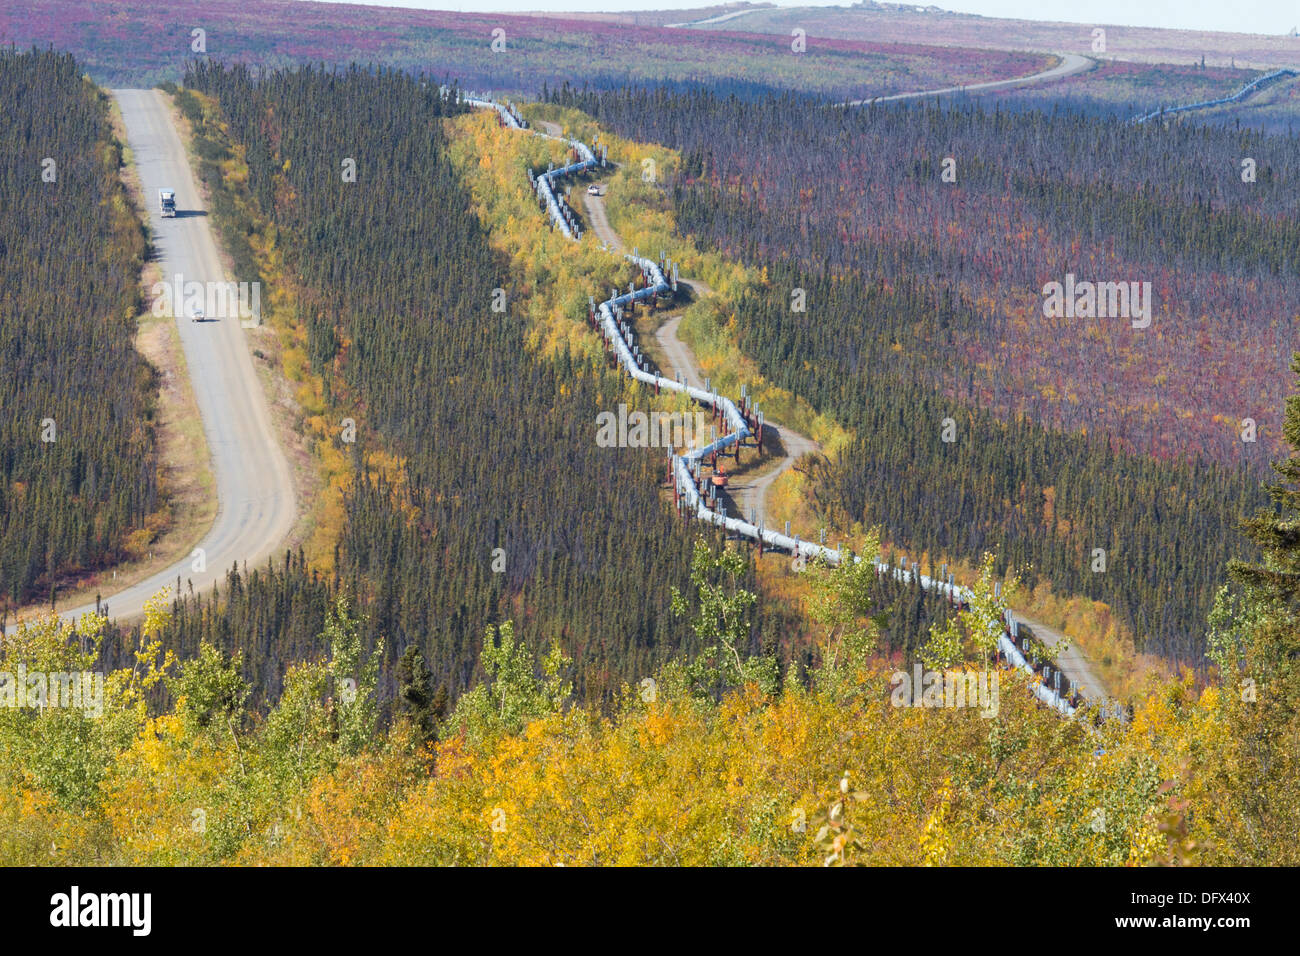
{"x":979,"y":549}
{"x":499,"y":505}
{"x":78,"y":477}
{"x":923,"y":305}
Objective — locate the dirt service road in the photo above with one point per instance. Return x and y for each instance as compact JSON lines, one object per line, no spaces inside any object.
{"x":748,"y":492}
{"x":751,"y":493}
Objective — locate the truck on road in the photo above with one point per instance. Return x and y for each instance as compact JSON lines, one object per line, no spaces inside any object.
{"x":167,"y":203}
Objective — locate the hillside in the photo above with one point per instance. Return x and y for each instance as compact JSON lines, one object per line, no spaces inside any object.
{"x":893,"y":23}
{"x":78,"y":460}
{"x":832,"y":775}
{"x":138,"y":42}
{"x":461,"y":502}
{"x":923,"y":302}
{"x":695,"y":450}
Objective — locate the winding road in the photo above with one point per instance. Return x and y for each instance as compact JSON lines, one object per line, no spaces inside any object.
{"x":1071,"y":63}
{"x":721,"y":18}
{"x":256,"y":501}
{"x":1072,"y":661}
{"x":748,"y":492}
{"x":256,"y":507}
{"x":751,"y":494}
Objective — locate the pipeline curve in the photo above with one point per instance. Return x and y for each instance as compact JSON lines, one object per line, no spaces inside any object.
{"x":741,"y":422}
{"x":1253,"y":86}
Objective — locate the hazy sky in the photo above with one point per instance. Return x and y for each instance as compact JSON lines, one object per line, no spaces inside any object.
{"x":1239,"y":16}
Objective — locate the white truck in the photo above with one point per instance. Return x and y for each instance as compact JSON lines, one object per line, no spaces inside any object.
{"x":167,"y":203}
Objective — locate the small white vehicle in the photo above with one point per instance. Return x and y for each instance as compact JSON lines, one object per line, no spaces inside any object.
{"x":593,"y":189}
{"x":167,"y":203}
{"x":196,"y":312}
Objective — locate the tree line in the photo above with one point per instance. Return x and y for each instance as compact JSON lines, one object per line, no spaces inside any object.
{"x":78,"y":460}
{"x":503,"y":506}
{"x":1107,"y":460}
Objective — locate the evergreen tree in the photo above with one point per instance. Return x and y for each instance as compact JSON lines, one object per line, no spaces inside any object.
{"x":1267,"y":641}
{"x":415,"y":699}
